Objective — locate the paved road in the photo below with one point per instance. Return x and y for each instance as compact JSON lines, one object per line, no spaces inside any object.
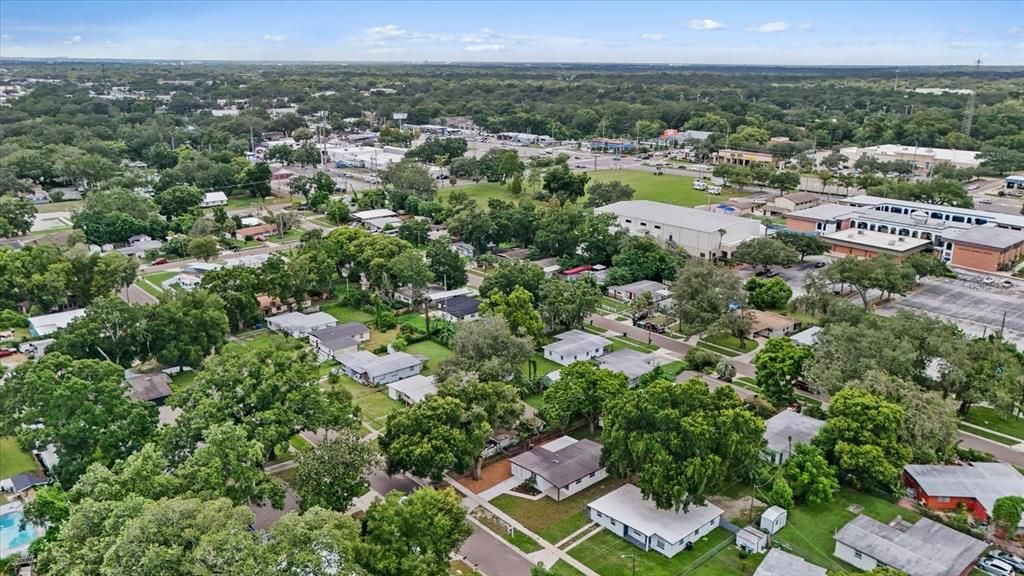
{"x":1001,"y":452}
{"x":492,"y":556}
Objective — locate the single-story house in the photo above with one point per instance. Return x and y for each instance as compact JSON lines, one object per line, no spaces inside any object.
{"x":270,"y":306}
{"x":561,"y":467}
{"x":373,"y":370}
{"x":976,"y":485}
{"x":200,"y":268}
{"x":751,"y":540}
{"x":211,"y":199}
{"x":140,"y":248}
{"x":49,"y":323}
{"x":772,"y":325}
{"x":780,"y":563}
{"x":365,"y":215}
{"x":925,"y":548}
{"x":248,"y":221}
{"x":24,"y":481}
{"x":413,"y":389}
{"x":627,"y":514}
{"x":806,"y":337}
{"x":787,"y":429}
{"x":299,"y":324}
{"x":549,"y":266}
{"x":433,"y":294}
{"x":626,"y":292}
{"x":381,"y":224}
{"x":155,"y":387}
{"x":259,"y":232}
{"x":186,"y":282}
{"x":632,"y":363}
{"x":463,"y":249}
{"x":575,"y":345}
{"x":339,"y":339}
{"x":138,"y":239}
{"x":458,"y":308}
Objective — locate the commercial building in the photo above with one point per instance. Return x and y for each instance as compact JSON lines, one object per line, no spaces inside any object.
{"x":365,"y":157}
{"x":609,"y":145}
{"x":373,"y":370}
{"x":923,"y":158}
{"x":413,"y":389}
{"x":299,"y":324}
{"x":975,"y":485}
{"x":787,"y":429}
{"x":1015,"y":184}
{"x":49,"y":323}
{"x":938,"y":212}
{"x":742,"y":157}
{"x":186,"y":282}
{"x":986,"y":248}
{"x":628,"y":515}
{"x":561,"y":467}
{"x":925,"y":548}
{"x":867,"y":243}
{"x":574,"y":346}
{"x":701,"y":233}
{"x":820,"y":219}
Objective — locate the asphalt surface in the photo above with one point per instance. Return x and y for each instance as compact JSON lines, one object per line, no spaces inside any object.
{"x":493,"y":556}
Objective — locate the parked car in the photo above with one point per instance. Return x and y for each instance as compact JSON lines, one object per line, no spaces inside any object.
{"x":993,"y":566}
{"x":988,"y":281}
{"x":1007,"y":284}
{"x":973,"y":187}
{"x":5,"y":352}
{"x":1015,"y":562}
{"x":820,"y":264}
{"x":984,"y":200}
{"x":158,"y":262}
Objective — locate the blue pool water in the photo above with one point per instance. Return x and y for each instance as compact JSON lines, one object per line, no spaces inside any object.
{"x":12,"y":537}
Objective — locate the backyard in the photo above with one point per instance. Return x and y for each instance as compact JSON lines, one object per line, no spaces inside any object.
{"x":14,"y":460}
{"x":610,"y":555}
{"x":374,"y":403}
{"x":552,"y":520}
{"x":432,"y":350}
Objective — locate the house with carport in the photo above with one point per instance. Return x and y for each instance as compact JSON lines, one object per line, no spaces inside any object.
{"x":561,"y":467}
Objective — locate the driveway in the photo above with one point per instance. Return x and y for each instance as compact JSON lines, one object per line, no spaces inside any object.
{"x":492,"y":556}
{"x":383,"y":484}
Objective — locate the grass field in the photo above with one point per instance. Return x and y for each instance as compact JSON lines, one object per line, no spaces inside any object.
{"x":732,"y":343}
{"x":460,"y":568}
{"x":729,"y":563}
{"x":552,"y":520}
{"x":666,"y":188}
{"x":432,"y":350}
{"x":482,"y":192}
{"x":374,"y":403}
{"x":14,"y":460}
{"x":260,"y":338}
{"x":345,"y":313}
{"x":989,"y":418}
{"x":984,"y":433}
{"x":610,"y":555}
{"x":515,"y":538}
{"x":563,"y":568}
{"x":535,"y":400}
{"x":69,"y":206}
{"x":152,"y":287}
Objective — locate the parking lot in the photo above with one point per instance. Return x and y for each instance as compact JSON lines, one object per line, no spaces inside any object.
{"x":974,"y":306}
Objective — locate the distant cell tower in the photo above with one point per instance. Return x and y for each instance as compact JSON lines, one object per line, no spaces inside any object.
{"x":969,"y":115}
{"x":977,"y":64}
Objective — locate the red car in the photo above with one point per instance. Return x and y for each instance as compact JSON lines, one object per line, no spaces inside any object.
{"x":5,"y":352}
{"x":158,"y":262}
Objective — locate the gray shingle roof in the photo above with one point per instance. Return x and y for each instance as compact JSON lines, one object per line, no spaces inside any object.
{"x":561,"y":468}
{"x":925,"y":549}
{"x":786,"y":424}
{"x":149,"y":387}
{"x":627,"y":505}
{"x":460,"y":306}
{"x":779,"y":563}
{"x":576,"y":342}
{"x":984,"y":481}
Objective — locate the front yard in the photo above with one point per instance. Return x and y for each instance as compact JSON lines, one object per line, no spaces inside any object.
{"x":610,"y":555}
{"x":552,"y":520}
{"x":989,"y":418}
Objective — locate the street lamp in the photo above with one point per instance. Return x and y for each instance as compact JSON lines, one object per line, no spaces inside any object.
{"x":633,"y":556}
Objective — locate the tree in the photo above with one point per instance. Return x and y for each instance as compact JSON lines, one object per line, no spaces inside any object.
{"x":414,"y":534}
{"x":111,"y":329}
{"x":517,"y":309}
{"x":445,"y":264}
{"x":563,"y":184}
{"x":770,"y":294}
{"x":498,"y":165}
{"x":927,"y":265}
{"x":511,"y":274}
{"x":42,"y":402}
{"x":301,"y":185}
{"x":496,"y":403}
{"x":722,"y":440}
{"x":178,"y":200}
{"x":280,"y":153}
{"x":642,"y":258}
{"x":785,"y":181}
{"x":565,"y":305}
{"x":883,"y":273}
{"x":331,"y":474}
{"x":725,"y":370}
{"x":703,"y":295}
{"x":204,"y":247}
{"x":237,"y":287}
{"x":603,"y":193}
{"x":1006,"y":513}
{"x":408,"y":178}
{"x":112,"y":271}
{"x":990,"y":369}
{"x":338,"y":212}
{"x":515,"y":185}
{"x":408,"y":270}
{"x":862,"y":438}
{"x":582,"y":391}
{"x":433,"y":436}
{"x":228,"y":464}
{"x":255,"y":178}
{"x":765,"y":252}
{"x":779,"y":493}
{"x":779,"y":365}
{"x":317,"y":543}
{"x":186,"y":327}
{"x":834,"y":160}
{"x":16,"y":216}
{"x":488,"y":348}
{"x":440,"y":151}
{"x":306,"y":155}
{"x":805,"y":244}
{"x":414,"y":231}
{"x":270,"y":390}
{"x":810,"y":476}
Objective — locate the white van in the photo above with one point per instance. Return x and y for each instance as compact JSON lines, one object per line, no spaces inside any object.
{"x":714,"y":190}
{"x":699,"y":185}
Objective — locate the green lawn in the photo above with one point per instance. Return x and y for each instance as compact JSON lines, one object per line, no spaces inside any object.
{"x":554,"y":521}
{"x":414,"y":319}
{"x":374,"y":403}
{"x":988,"y":434}
{"x":672,"y":369}
{"x":515,"y":538}
{"x":260,"y":338}
{"x":159,"y":277}
{"x":544,"y":366}
{"x":731,"y":342}
{"x":809,"y":530}
{"x":345,"y":313}
{"x":432,"y":350}
{"x":14,"y":460}
{"x":604,"y":551}
{"x":69,"y":206}
{"x":482,"y":192}
{"x":613,"y":304}
{"x":666,"y":188}
{"x":154,"y":291}
{"x":729,"y":563}
{"x":460,"y":568}
{"x":535,"y":400}
{"x":989,"y":418}
{"x":182,"y":380}
{"x":563,"y":568}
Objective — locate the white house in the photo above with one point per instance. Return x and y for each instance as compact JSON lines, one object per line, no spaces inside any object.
{"x":373,"y":370}
{"x":627,"y":292}
{"x":562,"y":467}
{"x":342,"y":338}
{"x":299,"y":324}
{"x":632,"y":363}
{"x":575,"y":345}
{"x":787,"y":429}
{"x":459,"y":308}
{"x":211,"y":199}
{"x":925,"y":548}
{"x":413,"y":389}
{"x":779,"y":563}
{"x":50,"y":323}
{"x":639,"y":522}
{"x":186,"y":282}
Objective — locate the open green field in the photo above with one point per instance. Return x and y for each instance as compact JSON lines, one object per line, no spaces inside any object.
{"x":69,"y":206}
{"x":374,"y":403}
{"x":554,"y":521}
{"x":432,"y":350}
{"x":609,"y":555}
{"x":14,"y":460}
{"x":259,"y":338}
{"x":345,"y":313}
{"x":666,"y":188}
{"x":989,"y":418}
{"x":809,"y":530}
{"x":482,"y":192}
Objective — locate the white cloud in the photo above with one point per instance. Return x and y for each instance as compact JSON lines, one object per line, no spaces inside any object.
{"x":653,"y":36}
{"x":704,"y":24}
{"x":6,"y":37}
{"x":74,"y":40}
{"x":805,"y":26}
{"x":485,"y":48}
{"x":769,"y":27}
{"x":1016,"y":30}
{"x":274,"y":38}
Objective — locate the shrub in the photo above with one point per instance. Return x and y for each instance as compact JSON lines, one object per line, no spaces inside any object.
{"x":700,"y":360}
{"x":11,"y":319}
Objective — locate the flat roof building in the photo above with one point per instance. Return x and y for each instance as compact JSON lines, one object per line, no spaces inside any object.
{"x":627,"y":292}
{"x":299,"y":324}
{"x":49,"y":323}
{"x":926,"y":548}
{"x":632,"y":363}
{"x":784,"y":431}
{"x":868,"y":243}
{"x":779,"y":563}
{"x":987,"y":248}
{"x":939,"y":212}
{"x":413,"y":389}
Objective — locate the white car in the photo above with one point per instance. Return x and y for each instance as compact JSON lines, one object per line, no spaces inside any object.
{"x":973,"y":187}
{"x":714,"y":190}
{"x":699,"y":185}
{"x":984,"y":200}
{"x":995,"y":567}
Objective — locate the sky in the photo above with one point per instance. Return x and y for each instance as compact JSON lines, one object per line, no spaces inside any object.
{"x":756,"y":33}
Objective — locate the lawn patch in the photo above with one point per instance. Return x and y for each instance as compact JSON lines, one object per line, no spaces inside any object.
{"x":535,"y":400}
{"x":989,"y":418}
{"x":544,"y":366}
{"x":514,"y":537}
{"x":554,"y":521}
{"x":731,"y":342}
{"x":374,"y":403}
{"x":14,"y":460}
{"x":482,"y":192}
{"x":182,"y":380}
{"x":987,"y":434}
{"x":345,"y":313}
{"x":432,"y":350}
{"x":666,"y":188}
{"x":604,"y":551}
{"x":563,"y":568}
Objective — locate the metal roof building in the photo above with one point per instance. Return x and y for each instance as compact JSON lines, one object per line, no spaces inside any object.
{"x":779,"y":563}
{"x":926,"y":548}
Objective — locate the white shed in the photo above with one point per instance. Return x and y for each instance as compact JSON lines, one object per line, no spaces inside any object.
{"x":773,"y":519}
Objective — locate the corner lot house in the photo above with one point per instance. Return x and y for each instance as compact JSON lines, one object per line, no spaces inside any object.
{"x":771,"y":325}
{"x":627,"y":292}
{"x":50,"y":323}
{"x":976,"y":485}
{"x":787,"y":429}
{"x":574,"y":346}
{"x":255,"y":232}
{"x":413,"y":389}
{"x":926,"y":548}
{"x":639,"y":522}
{"x":211,"y":199}
{"x":299,"y":325}
{"x":328,"y":342}
{"x":630,"y":362}
{"x":561,"y":467}
{"x":373,"y":370}
{"x":779,"y":563}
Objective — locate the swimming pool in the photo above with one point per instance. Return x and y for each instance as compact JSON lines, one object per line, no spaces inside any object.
{"x":12,"y":538}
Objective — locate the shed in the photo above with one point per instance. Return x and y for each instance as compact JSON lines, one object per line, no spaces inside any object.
{"x":773,"y":519}
{"x":751,"y":540}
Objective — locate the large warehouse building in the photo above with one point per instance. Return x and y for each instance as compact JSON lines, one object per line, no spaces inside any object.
{"x":702,"y":234}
